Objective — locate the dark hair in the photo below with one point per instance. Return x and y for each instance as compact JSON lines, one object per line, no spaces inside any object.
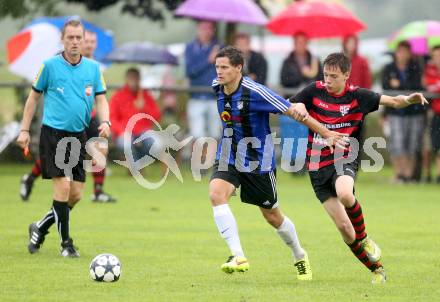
{"x":241,"y":36}
{"x":338,"y":59}
{"x":234,"y":55}
{"x":404,"y":44}
{"x":134,"y":71}
{"x":72,"y":22}
{"x":435,"y":47}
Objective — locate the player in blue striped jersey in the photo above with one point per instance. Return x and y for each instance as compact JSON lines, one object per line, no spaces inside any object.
{"x":245,"y":157}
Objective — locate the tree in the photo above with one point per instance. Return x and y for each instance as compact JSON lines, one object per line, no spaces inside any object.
{"x":140,"y":8}
{"x":151,"y":9}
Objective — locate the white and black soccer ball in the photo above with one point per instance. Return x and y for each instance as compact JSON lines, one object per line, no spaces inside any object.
{"x":105,"y":268}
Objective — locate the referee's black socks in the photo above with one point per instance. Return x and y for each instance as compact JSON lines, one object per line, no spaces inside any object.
{"x":61,"y":212}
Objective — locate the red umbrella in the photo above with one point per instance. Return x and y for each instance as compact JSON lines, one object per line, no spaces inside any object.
{"x":316,"y":20}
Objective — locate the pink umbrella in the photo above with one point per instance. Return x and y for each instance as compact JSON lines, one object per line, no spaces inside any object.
{"x":240,"y":11}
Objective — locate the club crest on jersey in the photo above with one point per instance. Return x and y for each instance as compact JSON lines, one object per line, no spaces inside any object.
{"x":240,"y":105}
{"x":226,"y":117}
{"x":344,"y":109}
{"x":89,"y":90}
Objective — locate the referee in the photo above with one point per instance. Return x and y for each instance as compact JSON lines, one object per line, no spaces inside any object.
{"x":70,"y":84}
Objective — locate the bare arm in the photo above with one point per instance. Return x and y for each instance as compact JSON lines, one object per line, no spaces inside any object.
{"x":28,"y":113}
{"x":402,"y":101}
{"x":103,"y":111}
{"x":298,"y":112}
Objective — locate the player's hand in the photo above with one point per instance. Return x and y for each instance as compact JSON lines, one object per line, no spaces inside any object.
{"x":23,"y":139}
{"x":300,"y":113}
{"x":104,"y":130}
{"x":416,"y":98}
{"x":338,"y":140}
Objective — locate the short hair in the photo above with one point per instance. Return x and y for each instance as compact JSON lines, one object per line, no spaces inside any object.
{"x":435,"y":47}
{"x":72,"y":22}
{"x":301,"y":33}
{"x":88,"y":31}
{"x":134,"y":71}
{"x":404,"y":44}
{"x":234,"y":55}
{"x":241,"y":36}
{"x":338,"y":59}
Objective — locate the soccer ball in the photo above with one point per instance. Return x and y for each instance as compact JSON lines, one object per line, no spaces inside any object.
{"x":105,"y":268}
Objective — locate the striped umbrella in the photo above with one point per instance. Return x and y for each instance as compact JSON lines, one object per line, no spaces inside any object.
{"x":40,"y":39}
{"x":422,"y":35}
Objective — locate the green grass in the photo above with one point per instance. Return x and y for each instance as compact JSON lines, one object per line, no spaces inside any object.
{"x":170,"y":249}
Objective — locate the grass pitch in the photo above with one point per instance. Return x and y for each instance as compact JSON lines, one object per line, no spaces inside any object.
{"x":170,"y":249}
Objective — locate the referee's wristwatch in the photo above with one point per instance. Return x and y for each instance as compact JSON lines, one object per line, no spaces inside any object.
{"x":108,"y":123}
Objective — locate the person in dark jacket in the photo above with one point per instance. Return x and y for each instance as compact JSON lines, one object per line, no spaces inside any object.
{"x":300,"y":67}
{"x":406,"y":125}
{"x":255,"y":65}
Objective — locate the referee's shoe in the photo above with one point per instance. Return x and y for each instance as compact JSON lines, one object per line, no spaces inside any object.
{"x":68,"y":249}
{"x":36,"y":238}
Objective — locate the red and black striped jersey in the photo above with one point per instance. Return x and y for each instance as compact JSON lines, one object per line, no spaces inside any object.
{"x":342,"y":113}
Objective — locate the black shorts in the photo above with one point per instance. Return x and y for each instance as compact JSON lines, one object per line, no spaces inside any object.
{"x":435,"y":134}
{"x":324,"y":179}
{"x":50,"y":168}
{"x":256,"y":189}
{"x":92,"y":130}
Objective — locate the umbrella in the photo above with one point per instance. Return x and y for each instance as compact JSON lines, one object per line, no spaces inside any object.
{"x":240,"y":11}
{"x":422,"y":35}
{"x":316,"y":20}
{"x":143,"y":53}
{"x":40,"y":39}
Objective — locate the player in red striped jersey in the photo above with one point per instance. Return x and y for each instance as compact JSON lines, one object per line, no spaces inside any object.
{"x":343,"y":108}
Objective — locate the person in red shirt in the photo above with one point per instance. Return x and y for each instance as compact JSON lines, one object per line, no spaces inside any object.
{"x":127,"y":102}
{"x":360,"y":74}
{"x":431,"y":81}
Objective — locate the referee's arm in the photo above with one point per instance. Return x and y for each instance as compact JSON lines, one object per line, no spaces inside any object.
{"x":103,"y":111}
{"x":28,"y":114}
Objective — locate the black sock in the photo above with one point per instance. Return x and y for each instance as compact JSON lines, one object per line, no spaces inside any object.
{"x":61,"y":212}
{"x":31,"y":178}
{"x":46,"y":222}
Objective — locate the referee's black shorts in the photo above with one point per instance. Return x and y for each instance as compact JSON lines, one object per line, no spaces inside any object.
{"x":92,"y":129}
{"x":49,"y":139}
{"x":256,"y":189}
{"x":324,"y":179}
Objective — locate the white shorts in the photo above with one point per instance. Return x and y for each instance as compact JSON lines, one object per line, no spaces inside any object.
{"x":203,"y":118}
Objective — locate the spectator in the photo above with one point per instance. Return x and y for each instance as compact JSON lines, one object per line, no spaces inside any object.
{"x":125,"y":103}
{"x":255,"y":65}
{"x":406,"y":125}
{"x":300,"y":67}
{"x":431,"y":80}
{"x":199,"y":59}
{"x":360,"y":74}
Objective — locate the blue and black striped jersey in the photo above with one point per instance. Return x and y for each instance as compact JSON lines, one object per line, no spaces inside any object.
{"x":247,"y":139}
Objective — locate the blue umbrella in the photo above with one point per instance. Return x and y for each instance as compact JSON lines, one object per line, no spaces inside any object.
{"x":104,"y":37}
{"x":142,"y":53}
